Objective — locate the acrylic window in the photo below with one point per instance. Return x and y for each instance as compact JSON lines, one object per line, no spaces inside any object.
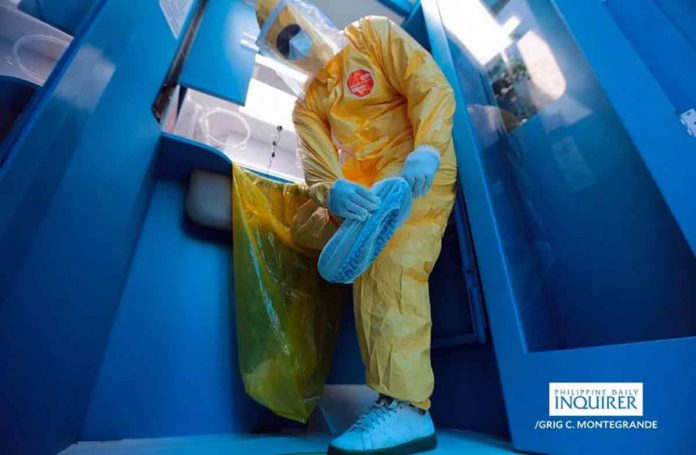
{"x":586,"y":234}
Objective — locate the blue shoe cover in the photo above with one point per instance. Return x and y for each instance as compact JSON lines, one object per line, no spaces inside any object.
{"x":356,"y":244}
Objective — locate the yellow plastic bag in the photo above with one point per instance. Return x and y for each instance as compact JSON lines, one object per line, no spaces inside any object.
{"x":287,"y":316}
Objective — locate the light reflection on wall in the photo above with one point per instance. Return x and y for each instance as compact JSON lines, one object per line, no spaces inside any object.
{"x":541,"y":65}
{"x":281,"y":68}
{"x":472,"y":24}
{"x":512,"y":54}
{"x":511,"y":25}
{"x":269,"y":104}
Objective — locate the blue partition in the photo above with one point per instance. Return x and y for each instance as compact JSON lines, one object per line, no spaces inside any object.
{"x":170,"y":366}
{"x":583,"y":241}
{"x":73,"y":193}
{"x":682,"y":13}
{"x":659,"y":32}
{"x":402,"y":7}
{"x":624,"y":68}
{"x":581,"y":221}
{"x":218,"y":63}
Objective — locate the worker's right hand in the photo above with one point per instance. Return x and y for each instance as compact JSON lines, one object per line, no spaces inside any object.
{"x":351,"y":201}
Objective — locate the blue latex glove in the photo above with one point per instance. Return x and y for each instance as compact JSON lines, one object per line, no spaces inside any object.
{"x":420,"y":168}
{"x":351,"y":201}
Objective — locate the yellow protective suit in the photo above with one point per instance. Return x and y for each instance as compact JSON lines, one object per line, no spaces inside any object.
{"x":373,"y":102}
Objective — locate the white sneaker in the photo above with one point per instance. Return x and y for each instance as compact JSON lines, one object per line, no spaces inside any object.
{"x":390,"y":427}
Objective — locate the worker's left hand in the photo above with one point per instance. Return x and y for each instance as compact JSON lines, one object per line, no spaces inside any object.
{"x":420,"y":168}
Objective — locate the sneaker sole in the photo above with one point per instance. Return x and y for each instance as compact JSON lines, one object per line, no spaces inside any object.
{"x":415,"y":446}
{"x":356,"y":244}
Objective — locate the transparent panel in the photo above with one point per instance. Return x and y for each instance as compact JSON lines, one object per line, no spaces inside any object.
{"x":260,"y":135}
{"x":594,"y":253}
{"x":29,"y":48}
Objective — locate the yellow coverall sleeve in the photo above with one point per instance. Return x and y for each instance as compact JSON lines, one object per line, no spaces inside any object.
{"x":412,"y":71}
{"x":319,"y":155}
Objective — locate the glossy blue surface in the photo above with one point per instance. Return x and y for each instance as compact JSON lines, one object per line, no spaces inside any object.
{"x":218,"y":64}
{"x":414,"y":24}
{"x":650,"y":118}
{"x":402,"y":7}
{"x":682,"y":13}
{"x":178,"y":373}
{"x":73,"y":193}
{"x":581,"y":221}
{"x":575,"y":246}
{"x":172,"y":353}
{"x":450,"y":442}
{"x":666,"y":47}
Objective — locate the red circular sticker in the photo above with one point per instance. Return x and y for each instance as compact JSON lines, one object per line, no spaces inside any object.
{"x":360,"y":83}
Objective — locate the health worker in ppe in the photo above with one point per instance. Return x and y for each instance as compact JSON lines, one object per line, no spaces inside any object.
{"x":376,"y":105}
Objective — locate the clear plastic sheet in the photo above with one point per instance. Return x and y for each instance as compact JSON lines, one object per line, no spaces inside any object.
{"x":326,"y":40}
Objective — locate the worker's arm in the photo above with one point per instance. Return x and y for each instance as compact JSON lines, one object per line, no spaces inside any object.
{"x":413,"y":72}
{"x":322,"y":170}
{"x":319,"y":155}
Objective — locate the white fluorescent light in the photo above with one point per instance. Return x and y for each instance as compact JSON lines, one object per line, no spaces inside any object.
{"x":269,"y":104}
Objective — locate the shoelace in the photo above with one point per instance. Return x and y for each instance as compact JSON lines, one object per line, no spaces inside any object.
{"x":378,"y":413}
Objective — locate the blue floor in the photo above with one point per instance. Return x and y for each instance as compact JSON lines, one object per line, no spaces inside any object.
{"x":449,"y":442}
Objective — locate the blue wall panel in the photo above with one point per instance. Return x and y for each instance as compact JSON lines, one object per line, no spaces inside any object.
{"x":171,"y":366}
{"x":682,"y":13}
{"x":669,"y":52}
{"x":645,"y":109}
{"x":73,"y":192}
{"x":665,"y":366}
{"x":580,"y":218}
{"x":218,"y":64}
{"x":468,"y":394}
